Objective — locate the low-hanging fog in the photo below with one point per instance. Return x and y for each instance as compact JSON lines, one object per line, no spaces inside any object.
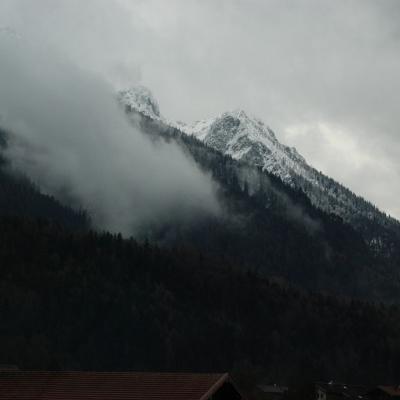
{"x":71,"y":138}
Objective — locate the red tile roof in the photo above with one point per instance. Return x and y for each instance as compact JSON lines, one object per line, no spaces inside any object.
{"x":40,"y":385}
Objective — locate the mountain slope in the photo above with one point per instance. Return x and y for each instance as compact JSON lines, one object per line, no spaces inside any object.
{"x":248,"y":139}
{"x":264,"y":225}
{"x":272,"y":228}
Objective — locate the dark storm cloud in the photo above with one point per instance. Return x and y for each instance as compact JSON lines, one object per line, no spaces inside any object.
{"x":323,"y":74}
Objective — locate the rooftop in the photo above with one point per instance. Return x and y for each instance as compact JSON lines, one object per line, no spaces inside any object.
{"x":58,"y":385}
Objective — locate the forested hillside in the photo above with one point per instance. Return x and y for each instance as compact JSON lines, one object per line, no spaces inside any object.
{"x":95,"y":301}
{"x":380,"y":231}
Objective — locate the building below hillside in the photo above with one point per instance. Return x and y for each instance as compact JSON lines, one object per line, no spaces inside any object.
{"x":59,"y":385}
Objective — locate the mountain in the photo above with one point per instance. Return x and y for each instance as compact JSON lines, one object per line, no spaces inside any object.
{"x":233,"y":133}
{"x":236,"y":291}
{"x":266,"y":226}
{"x":272,"y":228}
{"x":248,"y":139}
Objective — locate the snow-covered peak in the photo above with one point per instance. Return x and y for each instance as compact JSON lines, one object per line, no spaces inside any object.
{"x":247,"y":138}
{"x":140,"y":99}
{"x":235,"y":133}
{"x":236,"y":120}
{"x":199,"y":129}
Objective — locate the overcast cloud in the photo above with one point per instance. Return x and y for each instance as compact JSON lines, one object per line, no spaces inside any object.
{"x":323,"y":74}
{"x":72,"y":139}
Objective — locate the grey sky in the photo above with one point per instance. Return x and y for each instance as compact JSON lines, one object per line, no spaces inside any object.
{"x":323,"y":74}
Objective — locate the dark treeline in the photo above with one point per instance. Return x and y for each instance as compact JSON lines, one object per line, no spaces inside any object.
{"x":95,"y":301}
{"x":19,"y":196}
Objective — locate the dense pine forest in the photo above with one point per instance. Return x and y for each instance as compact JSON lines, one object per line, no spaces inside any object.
{"x":95,"y":301}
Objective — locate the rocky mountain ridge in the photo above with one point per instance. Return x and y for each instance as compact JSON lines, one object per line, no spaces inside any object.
{"x":248,"y":139}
